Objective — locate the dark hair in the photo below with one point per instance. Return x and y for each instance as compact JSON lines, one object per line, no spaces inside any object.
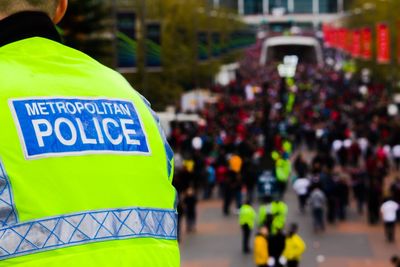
{"x":293,"y":229}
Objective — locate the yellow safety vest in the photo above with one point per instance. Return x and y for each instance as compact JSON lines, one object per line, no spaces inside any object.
{"x":85,"y":172}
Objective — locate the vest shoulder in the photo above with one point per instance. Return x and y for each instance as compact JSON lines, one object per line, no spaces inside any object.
{"x":37,"y":52}
{"x":39,"y":58}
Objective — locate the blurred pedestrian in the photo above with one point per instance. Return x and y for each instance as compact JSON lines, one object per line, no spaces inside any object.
{"x":261,"y":247}
{"x":395,"y":193}
{"x":300,"y":166}
{"x":247,"y":216}
{"x":342,"y":189}
{"x":317,"y":201}
{"x":389,"y":210}
{"x":181,"y":212}
{"x":301,"y":186}
{"x":374,"y":195}
{"x":359,"y":189}
{"x":276,"y":246}
{"x":283,"y":169}
{"x":395,"y":260}
{"x":229,"y":188}
{"x":265,"y":216}
{"x":396,"y":156}
{"x":190,"y":205}
{"x":279,"y":211}
{"x":294,"y":247}
{"x":211,"y":180}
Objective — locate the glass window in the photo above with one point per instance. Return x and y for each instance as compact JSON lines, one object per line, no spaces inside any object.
{"x":303,"y":6}
{"x":253,"y":6}
{"x":328,"y":6}
{"x":278,"y":3}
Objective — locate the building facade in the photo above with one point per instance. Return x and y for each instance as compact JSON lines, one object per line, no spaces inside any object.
{"x":301,"y":11}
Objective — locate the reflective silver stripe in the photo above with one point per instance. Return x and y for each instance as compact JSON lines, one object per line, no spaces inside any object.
{"x":8,"y":214}
{"x":87,"y":227}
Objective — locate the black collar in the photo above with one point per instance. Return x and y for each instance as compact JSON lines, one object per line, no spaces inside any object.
{"x":25,"y":25}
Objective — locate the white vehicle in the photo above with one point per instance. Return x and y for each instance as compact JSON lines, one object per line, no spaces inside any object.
{"x":307,"y":49}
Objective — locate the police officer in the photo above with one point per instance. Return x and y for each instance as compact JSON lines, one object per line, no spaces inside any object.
{"x":247,"y":216}
{"x":85,"y":172}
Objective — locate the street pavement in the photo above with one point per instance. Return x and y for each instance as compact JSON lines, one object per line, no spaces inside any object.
{"x":217,"y":241}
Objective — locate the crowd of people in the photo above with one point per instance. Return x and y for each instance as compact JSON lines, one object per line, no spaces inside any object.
{"x":326,"y":132}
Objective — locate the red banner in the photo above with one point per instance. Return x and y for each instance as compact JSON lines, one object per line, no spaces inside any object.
{"x":335,"y":37}
{"x":383,"y":43}
{"x":366,"y":43}
{"x":356,"y":46}
{"x":342,"y":38}
{"x":349,"y":41}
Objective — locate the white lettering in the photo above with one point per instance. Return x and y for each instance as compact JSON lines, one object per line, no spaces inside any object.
{"x":114,"y":141}
{"x":71,"y":108}
{"x":125,"y":109}
{"x":98,"y":130}
{"x":43,"y":109}
{"x":117,"y":109}
{"x":128,"y":132}
{"x":39,"y":133}
{"x":60,"y":137}
{"x":85,"y":140}
{"x":51,"y":105}
{"x":61,"y":107}
{"x":98,"y":110}
{"x":32,"y":110}
{"x":104,"y":108}
{"x":90,"y":107}
{"x":79,"y":107}
{"x":109,"y":105}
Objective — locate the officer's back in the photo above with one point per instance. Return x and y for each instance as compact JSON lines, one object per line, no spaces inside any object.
{"x":84,"y":169}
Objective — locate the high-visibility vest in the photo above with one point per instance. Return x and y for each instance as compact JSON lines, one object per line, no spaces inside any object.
{"x":263,"y":212}
{"x":279,"y":210}
{"x":247,"y":215}
{"x":283,"y":170}
{"x":85,"y":172}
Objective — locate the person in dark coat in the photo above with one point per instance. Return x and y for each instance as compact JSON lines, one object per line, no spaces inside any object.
{"x":374,"y":196}
{"x":190,"y":204}
{"x":276,"y":246}
{"x":342,"y":190}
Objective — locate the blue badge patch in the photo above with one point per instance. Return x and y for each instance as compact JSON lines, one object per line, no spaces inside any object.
{"x":75,"y":126}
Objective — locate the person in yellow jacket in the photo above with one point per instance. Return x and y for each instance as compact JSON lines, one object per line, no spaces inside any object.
{"x":261,"y":247}
{"x":294,"y":247}
{"x":247,"y":216}
{"x":85,"y":170}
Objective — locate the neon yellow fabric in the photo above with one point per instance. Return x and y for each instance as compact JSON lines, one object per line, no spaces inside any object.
{"x":263,"y":210}
{"x":294,"y":247}
{"x":283,"y":169}
{"x":247,"y":215}
{"x":279,"y":210}
{"x":287,"y":146}
{"x":275,"y":155}
{"x":123,"y":253}
{"x":47,"y":187}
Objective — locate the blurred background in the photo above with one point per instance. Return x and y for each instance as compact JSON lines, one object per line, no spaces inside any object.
{"x":279,"y":112}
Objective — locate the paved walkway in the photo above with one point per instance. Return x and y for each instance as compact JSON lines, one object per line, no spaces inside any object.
{"x":217,"y":242}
